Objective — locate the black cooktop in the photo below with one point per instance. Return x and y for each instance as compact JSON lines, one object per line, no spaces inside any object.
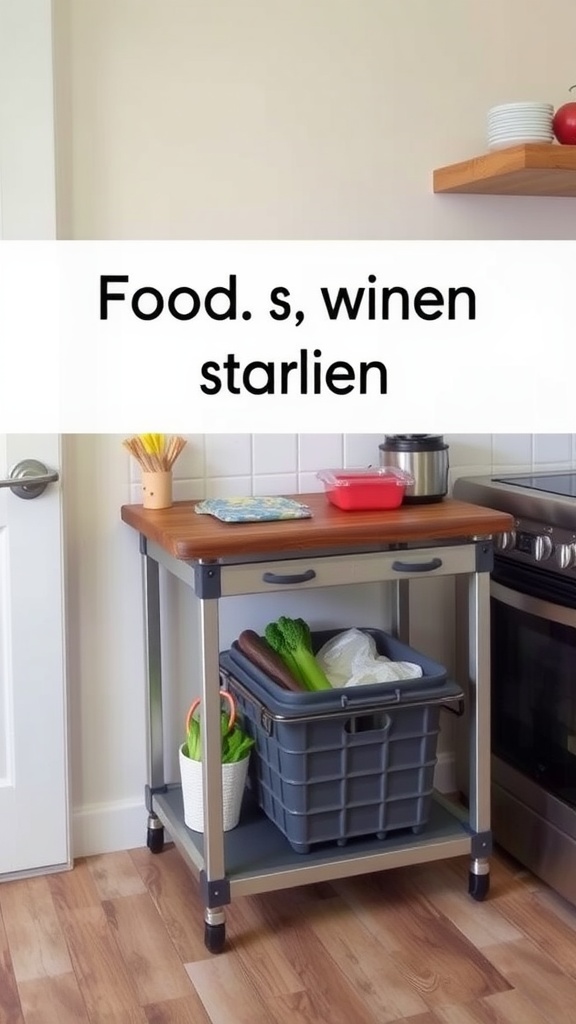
{"x":550,"y":483}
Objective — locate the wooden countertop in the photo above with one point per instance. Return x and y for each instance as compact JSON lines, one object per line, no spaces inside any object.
{"x":188,"y":536}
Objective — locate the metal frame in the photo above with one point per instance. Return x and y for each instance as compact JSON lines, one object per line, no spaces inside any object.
{"x":254,"y":857}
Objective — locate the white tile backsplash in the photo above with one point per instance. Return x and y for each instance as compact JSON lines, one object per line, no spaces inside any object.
{"x":274,"y":453}
{"x":276,"y":483}
{"x":457,"y":471}
{"x":189,"y":490}
{"x":225,"y":465}
{"x":228,"y":487}
{"x":320,"y":451}
{"x":362,"y":450}
{"x":308,"y":483}
{"x":552,"y":448}
{"x":511,"y":449}
{"x":228,"y":455}
{"x":469,"y":449}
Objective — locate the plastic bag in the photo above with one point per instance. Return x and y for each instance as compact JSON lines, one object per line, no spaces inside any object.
{"x":351,"y":659}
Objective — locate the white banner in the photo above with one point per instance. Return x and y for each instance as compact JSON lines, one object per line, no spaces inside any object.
{"x":303,"y":337}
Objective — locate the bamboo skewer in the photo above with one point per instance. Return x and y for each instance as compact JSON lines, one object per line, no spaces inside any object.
{"x":154,"y":452}
{"x":175,"y":446}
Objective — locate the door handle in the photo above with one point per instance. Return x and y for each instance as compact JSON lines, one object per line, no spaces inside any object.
{"x":29,"y":478}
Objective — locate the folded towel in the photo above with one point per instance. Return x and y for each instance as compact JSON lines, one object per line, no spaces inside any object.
{"x":252,"y":509}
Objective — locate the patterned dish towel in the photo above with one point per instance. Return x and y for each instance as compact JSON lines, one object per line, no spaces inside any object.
{"x":253,"y":509}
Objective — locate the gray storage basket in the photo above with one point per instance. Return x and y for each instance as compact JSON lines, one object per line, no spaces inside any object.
{"x":328,"y":771}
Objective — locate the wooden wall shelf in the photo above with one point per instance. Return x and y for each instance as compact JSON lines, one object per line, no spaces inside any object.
{"x":527,"y":170}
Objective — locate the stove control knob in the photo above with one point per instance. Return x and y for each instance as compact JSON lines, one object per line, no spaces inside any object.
{"x":566,"y":555}
{"x":505,"y":541}
{"x":543,"y":547}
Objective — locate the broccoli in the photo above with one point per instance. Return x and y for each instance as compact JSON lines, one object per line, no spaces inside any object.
{"x":291,"y":639}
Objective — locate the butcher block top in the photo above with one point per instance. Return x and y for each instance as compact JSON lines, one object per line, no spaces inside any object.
{"x":188,"y":536}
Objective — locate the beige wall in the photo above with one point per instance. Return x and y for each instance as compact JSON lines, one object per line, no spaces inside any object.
{"x":297,"y":118}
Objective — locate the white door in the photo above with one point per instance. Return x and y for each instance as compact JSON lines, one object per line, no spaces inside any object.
{"x":34,"y":829}
{"x":34,"y":812}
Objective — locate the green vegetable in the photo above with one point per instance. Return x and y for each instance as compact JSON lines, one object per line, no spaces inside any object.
{"x":306,"y":632}
{"x":291,"y":639}
{"x":275,"y":637}
{"x":236,"y":744}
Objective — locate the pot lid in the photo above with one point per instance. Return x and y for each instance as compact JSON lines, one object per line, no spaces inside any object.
{"x":413,"y":443}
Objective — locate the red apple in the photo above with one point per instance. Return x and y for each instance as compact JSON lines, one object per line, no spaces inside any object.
{"x":564,"y":123}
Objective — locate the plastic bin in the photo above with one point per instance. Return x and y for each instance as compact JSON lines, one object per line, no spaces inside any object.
{"x":355,"y":490}
{"x":331,"y":766}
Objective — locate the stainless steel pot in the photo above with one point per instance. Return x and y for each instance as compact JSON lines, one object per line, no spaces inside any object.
{"x":425,"y":457}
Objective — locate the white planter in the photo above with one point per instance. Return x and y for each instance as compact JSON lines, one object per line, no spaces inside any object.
{"x":233,"y":783}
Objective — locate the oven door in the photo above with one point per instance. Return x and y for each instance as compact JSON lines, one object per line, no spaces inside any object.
{"x":534,"y":676}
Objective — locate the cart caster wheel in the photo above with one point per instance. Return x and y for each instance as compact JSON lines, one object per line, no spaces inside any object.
{"x":214,"y":937}
{"x":381,"y":835}
{"x":417,"y":830}
{"x":155,"y":840}
{"x":478,"y":886}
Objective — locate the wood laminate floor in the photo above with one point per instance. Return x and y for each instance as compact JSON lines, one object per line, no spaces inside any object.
{"x":119,"y":940}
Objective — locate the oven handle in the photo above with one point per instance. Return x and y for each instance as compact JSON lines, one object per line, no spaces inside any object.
{"x":533,"y":605}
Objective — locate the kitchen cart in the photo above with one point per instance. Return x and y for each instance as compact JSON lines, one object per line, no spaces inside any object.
{"x":332,"y":548}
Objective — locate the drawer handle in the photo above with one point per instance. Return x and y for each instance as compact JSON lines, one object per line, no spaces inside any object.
{"x":434,"y":563}
{"x":297,"y":577}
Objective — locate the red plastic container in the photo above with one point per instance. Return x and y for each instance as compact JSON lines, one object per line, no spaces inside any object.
{"x":354,"y":490}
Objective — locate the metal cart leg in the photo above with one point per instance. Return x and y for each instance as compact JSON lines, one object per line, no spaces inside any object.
{"x":155,"y":742}
{"x":401,"y":610}
{"x":214,"y":930}
{"x":479,"y":690}
{"x":215,"y":886}
{"x":479,"y":878}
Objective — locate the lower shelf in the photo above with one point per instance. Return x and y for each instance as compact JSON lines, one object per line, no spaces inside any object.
{"x":258,"y":858}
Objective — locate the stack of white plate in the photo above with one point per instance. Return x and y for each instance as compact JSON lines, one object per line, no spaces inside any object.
{"x":511,"y":124}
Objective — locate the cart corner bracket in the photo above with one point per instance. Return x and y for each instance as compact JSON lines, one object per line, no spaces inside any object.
{"x":207,"y":583}
{"x":484,"y":556}
{"x":481,"y":845}
{"x":214,"y":893}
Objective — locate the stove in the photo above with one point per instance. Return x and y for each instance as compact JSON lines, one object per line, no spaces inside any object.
{"x":545,"y":496}
{"x":533,"y":670}
{"x":563,"y":484}
{"x":544,"y":508}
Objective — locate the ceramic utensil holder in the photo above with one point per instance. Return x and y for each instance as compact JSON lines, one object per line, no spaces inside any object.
{"x":157,"y":489}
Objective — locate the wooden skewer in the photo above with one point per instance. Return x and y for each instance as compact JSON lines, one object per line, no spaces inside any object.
{"x":169,"y":450}
{"x":155,"y":462}
{"x":175,"y":446}
{"x":136,"y":449}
